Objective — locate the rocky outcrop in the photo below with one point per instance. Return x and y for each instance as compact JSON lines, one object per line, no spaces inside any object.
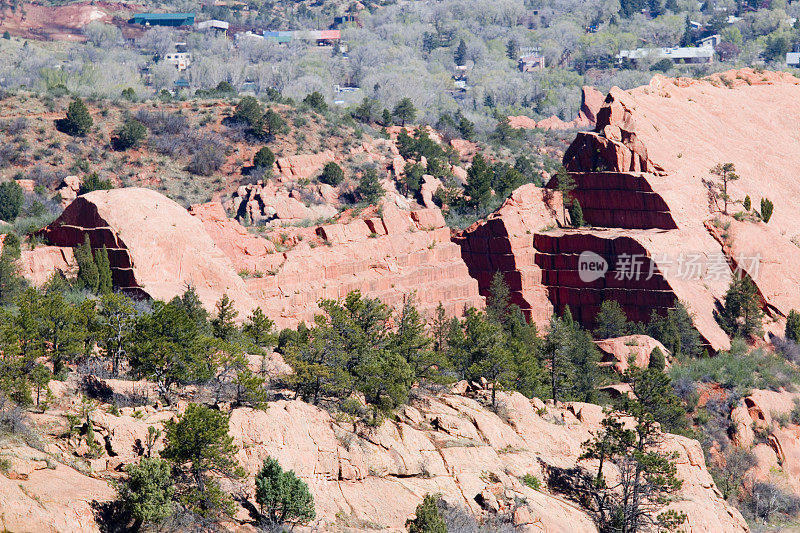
{"x":41,"y":263}
{"x":40,"y":494}
{"x":504,"y":243}
{"x":454,"y":446}
{"x":591,"y":102}
{"x":303,"y":166}
{"x":617,"y":352}
{"x":154,"y":245}
{"x":263,"y":204}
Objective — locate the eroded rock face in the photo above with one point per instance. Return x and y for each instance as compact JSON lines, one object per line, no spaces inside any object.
{"x":452,"y":445}
{"x":303,"y":166}
{"x":38,"y":494}
{"x":618,"y":351}
{"x":154,"y":245}
{"x":504,"y":243}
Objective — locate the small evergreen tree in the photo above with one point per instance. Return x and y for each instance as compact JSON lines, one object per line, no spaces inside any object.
{"x":766,"y":209}
{"x":657,"y":360}
{"x":460,"y":55}
{"x":11,"y":199}
{"x":565,"y":184}
{"x":259,"y":328}
{"x":611,"y":321}
{"x":427,"y":518}
{"x":747,"y":203}
{"x":264,"y":158}
{"x":249,"y":111}
{"x":273,"y":123}
{"x":148,"y":491}
{"x":78,"y":121}
{"x":93,"y":182}
{"x":386,"y":117}
{"x":282,"y":496}
{"x":316,"y":101}
{"x":369,"y":189}
{"x":725,"y":173}
{"x":498,"y":300}
{"x":576,"y":214}
{"x":741,"y":315}
{"x":405,"y":111}
{"x":792,"y":331}
{"x":332,"y":174}
{"x":223,"y":325}
{"x":479,"y":182}
{"x":130,"y":135}
{"x":198,"y":445}
{"x":105,"y":282}
{"x":88,"y":274}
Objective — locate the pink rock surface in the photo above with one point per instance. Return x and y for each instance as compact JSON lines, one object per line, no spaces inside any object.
{"x":617,"y":351}
{"x":303,"y":166}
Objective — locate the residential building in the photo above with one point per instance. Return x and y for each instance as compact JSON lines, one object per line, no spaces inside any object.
{"x":181,"y":60}
{"x":793,"y":59}
{"x":529,"y":63}
{"x":220,"y":27}
{"x":163,"y":19}
{"x":678,"y":55}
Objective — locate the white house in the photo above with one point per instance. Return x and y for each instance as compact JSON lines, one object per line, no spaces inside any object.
{"x":793,"y":59}
{"x":688,"y":55}
{"x":181,"y":60}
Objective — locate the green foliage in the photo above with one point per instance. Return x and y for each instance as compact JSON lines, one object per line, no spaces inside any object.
{"x":461,"y":53}
{"x":479,"y":182}
{"x":259,"y":328}
{"x":426,"y":517}
{"x":93,"y":182}
{"x":576,"y":214}
{"x":249,"y":111}
{"x":148,"y":491}
{"x":747,"y":203}
{"x":647,"y":475}
{"x":675,"y":331}
{"x":116,"y":321}
{"x":316,"y":101}
{"x":130,"y":135}
{"x":498,"y":301}
{"x":11,"y":200}
{"x":405,"y":111}
{"x":663,"y":65}
{"x":198,"y":445}
{"x":332,"y":174}
{"x":792,"y":331}
{"x":741,"y":315}
{"x":282,"y":496}
{"x":273,"y":123}
{"x":264,"y":158}
{"x":172,"y":346}
{"x":725,"y":173}
{"x":611,"y":321}
{"x":766,"y":209}
{"x":565,"y":184}
{"x":654,"y":396}
{"x":129,"y":94}
{"x":369,"y":189}
{"x":104,"y":280}
{"x":412,"y":178}
{"x":223,"y":324}
{"x":657,"y":360}
{"x":573,"y":361}
{"x":529,"y":480}
{"x":88,"y":274}
{"x":78,"y":121}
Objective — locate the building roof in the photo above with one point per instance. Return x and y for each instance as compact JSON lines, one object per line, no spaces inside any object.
{"x":793,"y":58}
{"x":668,"y":53}
{"x":177,"y":19}
{"x":218,"y":24}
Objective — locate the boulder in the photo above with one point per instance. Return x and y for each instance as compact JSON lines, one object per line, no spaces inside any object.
{"x":303,"y":166}
{"x":618,"y":351}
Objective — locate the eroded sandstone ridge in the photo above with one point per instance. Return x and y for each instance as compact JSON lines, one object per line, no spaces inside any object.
{"x":641,"y":178}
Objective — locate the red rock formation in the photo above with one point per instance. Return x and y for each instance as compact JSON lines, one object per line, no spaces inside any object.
{"x":504,"y":243}
{"x":154,"y":245}
{"x":617,"y":351}
{"x":303,"y":166}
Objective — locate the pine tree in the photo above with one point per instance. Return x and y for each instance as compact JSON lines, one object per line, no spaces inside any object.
{"x":611,"y":320}
{"x":405,"y":111}
{"x":369,"y":189}
{"x":332,"y":174}
{"x":116,"y":321}
{"x":259,"y":328}
{"x":565,"y":184}
{"x":78,"y":121}
{"x":427,"y":518}
{"x":198,"y":445}
{"x":576,"y":214}
{"x":747,"y":203}
{"x":104,"y":279}
{"x":11,"y":199}
{"x":741,"y":314}
{"x":766,"y":209}
{"x":223,"y":324}
{"x":725,"y":173}
{"x":413,"y":344}
{"x":498,"y":300}
{"x":249,"y":111}
{"x":264,"y":158}
{"x":282,"y":496}
{"x":88,"y":274}
{"x":460,"y":55}
{"x":792,"y":331}
{"x":148,"y":491}
{"x":479,"y":182}
{"x":657,"y":360}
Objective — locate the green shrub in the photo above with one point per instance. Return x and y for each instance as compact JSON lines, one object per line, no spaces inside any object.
{"x":282,"y":496}
{"x":147,"y":493}
{"x":78,"y":121}
{"x":532,"y":481}
{"x":11,"y":200}
{"x":264,"y":158}
{"x":316,"y":101}
{"x":332,"y":174}
{"x":427,"y":517}
{"x":766,"y":209}
{"x":93,"y":182}
{"x":129,"y":135}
